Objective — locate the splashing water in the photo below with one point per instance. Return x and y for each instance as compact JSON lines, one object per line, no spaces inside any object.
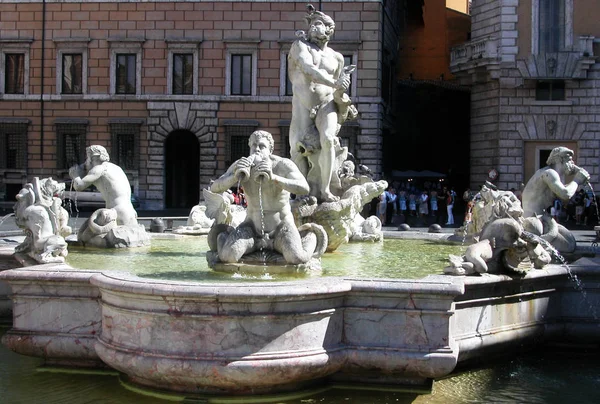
{"x":3,"y":218}
{"x":262,"y":223}
{"x":578,"y":285}
{"x":595,"y":204}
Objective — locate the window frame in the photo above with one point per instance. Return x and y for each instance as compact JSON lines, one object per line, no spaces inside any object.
{"x":182,"y":46}
{"x":63,"y":128}
{"x":14,"y":46}
{"x":566,"y":42}
{"x":241,"y":47}
{"x":239,"y":129}
{"x":119,"y":127}
{"x":71,"y":46}
{"x":125,"y":47}
{"x":551,"y":90}
{"x":19,"y":127}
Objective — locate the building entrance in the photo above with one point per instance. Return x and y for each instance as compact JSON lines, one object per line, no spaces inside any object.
{"x":182,"y":170}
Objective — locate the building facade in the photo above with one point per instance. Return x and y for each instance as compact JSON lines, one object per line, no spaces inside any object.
{"x":534,"y":74}
{"x":172,"y":89}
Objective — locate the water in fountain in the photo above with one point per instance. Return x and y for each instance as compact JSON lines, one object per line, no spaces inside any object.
{"x":572,"y":276}
{"x":74,"y":207}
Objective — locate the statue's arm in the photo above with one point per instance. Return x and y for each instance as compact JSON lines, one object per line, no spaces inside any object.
{"x":92,"y":176}
{"x":562,"y":191}
{"x":302,"y":58}
{"x":225,"y":181}
{"x":290,"y":178}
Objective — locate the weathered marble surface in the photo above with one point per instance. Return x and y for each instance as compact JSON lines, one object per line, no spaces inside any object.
{"x":341,"y":219}
{"x":197,"y":223}
{"x":275,"y":336}
{"x":56,"y":315}
{"x":40,"y":214}
{"x":269,"y":226}
{"x":116,"y":225}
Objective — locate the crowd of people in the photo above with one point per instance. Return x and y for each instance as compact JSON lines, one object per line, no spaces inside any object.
{"x":581,"y":209}
{"x":434,"y":203}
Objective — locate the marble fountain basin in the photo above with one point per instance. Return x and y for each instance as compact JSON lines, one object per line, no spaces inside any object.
{"x":258,"y":337}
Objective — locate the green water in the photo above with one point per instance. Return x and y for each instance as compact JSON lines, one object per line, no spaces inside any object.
{"x":535,"y":378}
{"x":185,"y":259}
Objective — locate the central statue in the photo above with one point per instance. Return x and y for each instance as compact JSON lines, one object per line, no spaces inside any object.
{"x":319,"y":104}
{"x":269,"y":225}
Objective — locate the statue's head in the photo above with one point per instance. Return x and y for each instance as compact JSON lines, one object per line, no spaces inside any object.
{"x":260,"y":135}
{"x":561,"y":158}
{"x":560,"y":155}
{"x":98,"y":152}
{"x":314,"y":16}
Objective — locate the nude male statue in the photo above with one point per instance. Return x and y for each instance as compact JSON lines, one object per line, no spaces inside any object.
{"x":560,"y":178}
{"x":110,"y":180}
{"x":319,"y":82}
{"x":271,"y":179}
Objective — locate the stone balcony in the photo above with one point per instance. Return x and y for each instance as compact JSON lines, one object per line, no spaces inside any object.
{"x":479,"y":60}
{"x":476,"y":57}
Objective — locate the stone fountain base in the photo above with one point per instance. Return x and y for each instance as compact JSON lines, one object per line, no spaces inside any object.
{"x":247,"y":338}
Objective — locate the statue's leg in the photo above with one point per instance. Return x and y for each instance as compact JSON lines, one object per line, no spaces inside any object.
{"x":289,"y":244}
{"x":233,"y":246}
{"x":299,"y":125}
{"x":327,"y":126}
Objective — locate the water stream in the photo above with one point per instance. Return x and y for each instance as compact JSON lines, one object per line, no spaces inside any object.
{"x":595,"y":202}
{"x":578,"y":285}
{"x":3,"y":218}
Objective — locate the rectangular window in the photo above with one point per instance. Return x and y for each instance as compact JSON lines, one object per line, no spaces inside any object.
{"x":125,"y":144}
{"x":237,"y":139}
{"x":125,"y":73}
{"x":183,"y":73}
{"x":550,"y":90}
{"x":14,"y":77}
{"x":72,"y":73}
{"x":13,"y":145}
{"x":71,"y":144}
{"x":551,"y":25}
{"x":241,"y":74}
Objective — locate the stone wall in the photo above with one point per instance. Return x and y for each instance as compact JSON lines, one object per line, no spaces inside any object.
{"x":155,"y":29}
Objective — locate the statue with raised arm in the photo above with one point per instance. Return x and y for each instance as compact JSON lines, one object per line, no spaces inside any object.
{"x":99,"y":230}
{"x":559,"y":179}
{"x":319,"y":105}
{"x":268,"y":234}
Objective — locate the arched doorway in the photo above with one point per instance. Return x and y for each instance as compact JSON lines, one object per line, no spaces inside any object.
{"x":182,"y":170}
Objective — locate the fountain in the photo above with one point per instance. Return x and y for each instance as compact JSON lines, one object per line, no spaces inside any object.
{"x":236,"y":338}
{"x":514,"y":238}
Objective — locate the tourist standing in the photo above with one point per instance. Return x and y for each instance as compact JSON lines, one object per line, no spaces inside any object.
{"x":412,"y":204}
{"x":449,"y":206}
{"x":391,"y":204}
{"x":433,"y":201}
{"x":424,"y":204}
{"x":381,"y":208}
{"x":402,"y":202}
